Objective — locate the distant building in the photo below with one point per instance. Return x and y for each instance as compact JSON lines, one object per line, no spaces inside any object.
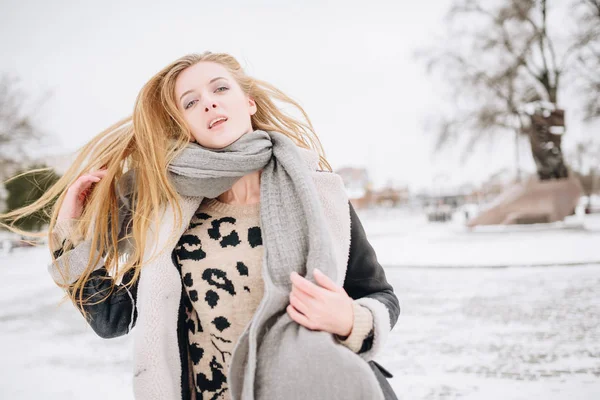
{"x":362,"y":194}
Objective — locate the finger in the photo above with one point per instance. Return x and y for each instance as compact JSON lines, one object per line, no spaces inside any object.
{"x":307,"y":286}
{"x":100,"y":172}
{"x":302,"y":293}
{"x":90,"y":177}
{"x":299,"y":318}
{"x":84,"y":182}
{"x":305,"y":297}
{"x":88,"y":180}
{"x":325,"y":281}
{"x":299,"y":305}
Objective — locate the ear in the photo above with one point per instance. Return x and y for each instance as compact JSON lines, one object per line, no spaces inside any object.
{"x":252,"y":104}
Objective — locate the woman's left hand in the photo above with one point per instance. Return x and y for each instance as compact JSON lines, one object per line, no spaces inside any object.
{"x":324,"y":307}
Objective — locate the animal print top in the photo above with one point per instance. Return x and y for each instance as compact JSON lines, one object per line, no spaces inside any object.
{"x":220,"y":257}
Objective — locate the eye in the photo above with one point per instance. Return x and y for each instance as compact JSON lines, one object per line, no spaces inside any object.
{"x":188,"y":104}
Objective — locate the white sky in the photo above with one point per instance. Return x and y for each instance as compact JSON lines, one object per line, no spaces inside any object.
{"x":348,"y":63}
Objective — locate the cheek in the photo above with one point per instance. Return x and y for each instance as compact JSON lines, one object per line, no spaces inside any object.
{"x":195,"y":124}
{"x":242,"y":112}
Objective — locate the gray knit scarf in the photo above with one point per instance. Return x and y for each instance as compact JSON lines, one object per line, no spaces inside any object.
{"x":275,"y":357}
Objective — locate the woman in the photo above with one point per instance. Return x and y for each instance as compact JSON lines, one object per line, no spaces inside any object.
{"x":235,"y":253}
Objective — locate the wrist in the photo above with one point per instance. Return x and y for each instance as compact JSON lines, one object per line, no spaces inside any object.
{"x":348,"y":331}
{"x":363,"y":324}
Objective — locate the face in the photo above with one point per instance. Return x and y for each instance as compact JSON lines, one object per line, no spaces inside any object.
{"x":206,"y":93}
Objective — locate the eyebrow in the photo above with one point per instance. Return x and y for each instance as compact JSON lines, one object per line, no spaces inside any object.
{"x":211,"y":81}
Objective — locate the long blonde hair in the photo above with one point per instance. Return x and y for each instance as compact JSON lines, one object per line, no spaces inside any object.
{"x":146,"y":142}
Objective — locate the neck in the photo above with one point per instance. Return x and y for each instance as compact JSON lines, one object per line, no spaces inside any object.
{"x":245,"y":190}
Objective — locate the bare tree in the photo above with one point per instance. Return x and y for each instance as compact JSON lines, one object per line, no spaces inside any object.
{"x":587,"y":42}
{"x":17,"y":129}
{"x":498,"y":60}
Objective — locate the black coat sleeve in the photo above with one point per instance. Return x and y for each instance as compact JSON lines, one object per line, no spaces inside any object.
{"x":116,"y":315}
{"x":110,"y":313}
{"x":365,"y":277}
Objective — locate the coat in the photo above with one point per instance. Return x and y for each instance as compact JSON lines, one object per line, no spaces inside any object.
{"x":154,"y":304}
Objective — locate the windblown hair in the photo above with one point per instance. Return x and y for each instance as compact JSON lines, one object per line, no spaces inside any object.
{"x":146,"y":142}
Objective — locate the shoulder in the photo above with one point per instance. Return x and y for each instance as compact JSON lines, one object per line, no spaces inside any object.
{"x":330,"y":186}
{"x":329,"y":182}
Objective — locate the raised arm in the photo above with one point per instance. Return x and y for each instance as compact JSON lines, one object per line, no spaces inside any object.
{"x":116,"y":315}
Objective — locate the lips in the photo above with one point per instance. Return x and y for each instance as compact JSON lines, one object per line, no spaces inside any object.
{"x":218,"y":123}
{"x":212,"y":122}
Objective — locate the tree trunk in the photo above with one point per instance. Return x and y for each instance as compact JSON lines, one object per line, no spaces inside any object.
{"x":545,"y":137}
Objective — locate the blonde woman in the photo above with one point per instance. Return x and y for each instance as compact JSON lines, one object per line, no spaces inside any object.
{"x":211,"y":222}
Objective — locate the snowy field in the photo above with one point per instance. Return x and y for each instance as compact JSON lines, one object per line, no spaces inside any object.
{"x":531,"y":330}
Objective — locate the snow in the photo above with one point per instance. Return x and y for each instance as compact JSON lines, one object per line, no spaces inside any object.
{"x":510,"y":333}
{"x":403,"y":239}
{"x":520,"y":332}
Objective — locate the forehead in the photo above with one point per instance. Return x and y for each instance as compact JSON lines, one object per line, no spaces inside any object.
{"x":199,"y":75}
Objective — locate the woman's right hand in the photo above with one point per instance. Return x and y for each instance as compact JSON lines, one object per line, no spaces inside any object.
{"x":77,"y":194}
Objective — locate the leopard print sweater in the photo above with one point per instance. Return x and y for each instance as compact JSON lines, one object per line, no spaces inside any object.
{"x":220,"y":257}
{"x":220,"y":260}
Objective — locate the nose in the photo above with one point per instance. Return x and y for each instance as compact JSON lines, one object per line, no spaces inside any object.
{"x":207,"y":108}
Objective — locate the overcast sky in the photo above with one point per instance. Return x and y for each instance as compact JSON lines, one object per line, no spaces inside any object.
{"x":349,"y":64}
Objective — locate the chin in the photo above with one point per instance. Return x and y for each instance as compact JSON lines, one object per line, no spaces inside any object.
{"x":223,"y":140}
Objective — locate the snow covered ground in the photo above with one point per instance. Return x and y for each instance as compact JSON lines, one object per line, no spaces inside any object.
{"x":510,"y":333}
{"x":404,"y":239}
{"x":472,"y":333}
